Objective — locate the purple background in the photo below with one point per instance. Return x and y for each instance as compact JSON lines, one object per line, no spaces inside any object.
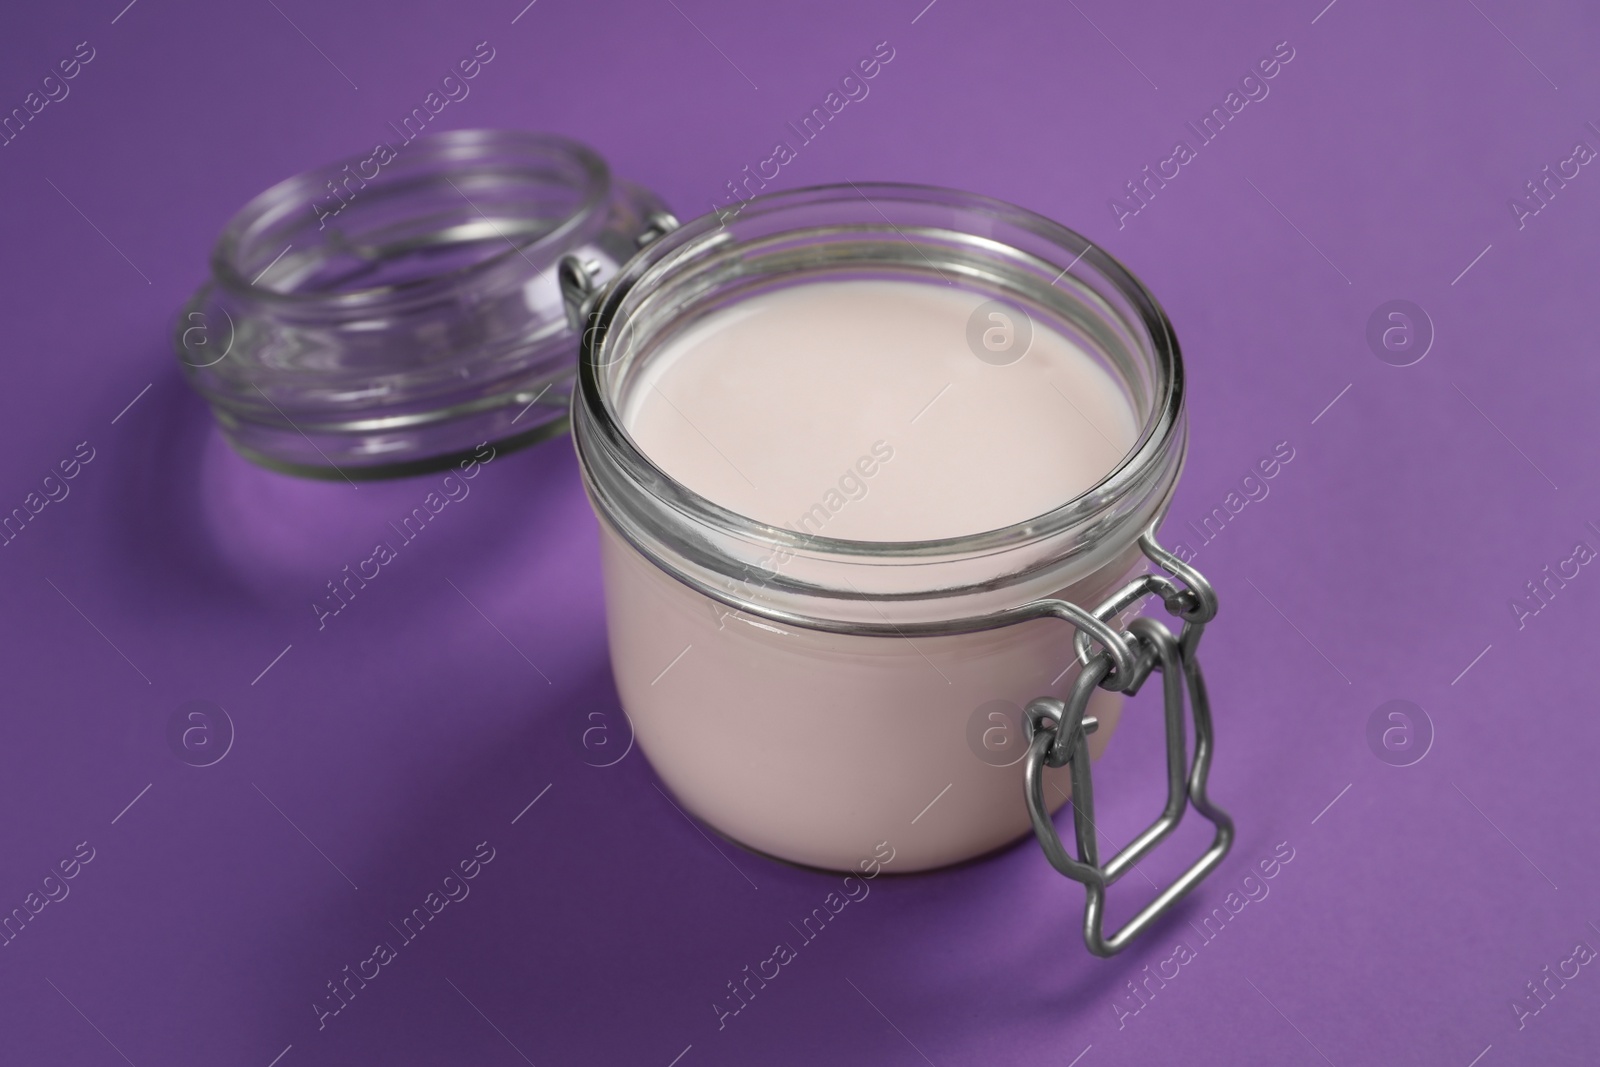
{"x":1416,"y":906}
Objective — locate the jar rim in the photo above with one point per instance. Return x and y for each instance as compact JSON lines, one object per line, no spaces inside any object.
{"x":1162,"y":429}
{"x":301,"y":192}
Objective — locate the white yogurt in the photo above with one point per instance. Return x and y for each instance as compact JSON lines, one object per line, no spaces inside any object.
{"x":856,"y":410}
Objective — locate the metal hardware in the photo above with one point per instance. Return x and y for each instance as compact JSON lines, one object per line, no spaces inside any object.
{"x":579,"y":279}
{"x":659,"y":224}
{"x":1056,"y":732}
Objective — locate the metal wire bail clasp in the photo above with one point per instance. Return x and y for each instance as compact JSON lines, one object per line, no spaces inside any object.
{"x":1057,"y":733}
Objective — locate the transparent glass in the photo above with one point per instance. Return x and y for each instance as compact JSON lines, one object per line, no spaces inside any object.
{"x":386,"y":313}
{"x":811,"y":697}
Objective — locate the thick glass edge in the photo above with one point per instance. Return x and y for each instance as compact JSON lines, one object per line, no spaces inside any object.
{"x":307,"y":185}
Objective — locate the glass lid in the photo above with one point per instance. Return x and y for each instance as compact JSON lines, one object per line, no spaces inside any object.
{"x":388,"y":313}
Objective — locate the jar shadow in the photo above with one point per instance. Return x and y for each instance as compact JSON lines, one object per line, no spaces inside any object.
{"x":157,"y":499}
{"x":199,"y":520}
{"x":593,"y":898}
{"x":600,"y":893}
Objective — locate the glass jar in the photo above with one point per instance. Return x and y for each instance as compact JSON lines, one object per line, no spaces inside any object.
{"x":387,"y":313}
{"x":813,"y":698}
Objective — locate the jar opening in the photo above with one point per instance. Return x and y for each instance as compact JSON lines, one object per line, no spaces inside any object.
{"x":890,"y":405}
{"x":877,"y":231}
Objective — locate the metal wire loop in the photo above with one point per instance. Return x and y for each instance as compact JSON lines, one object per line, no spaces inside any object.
{"x":1056,"y":732}
{"x":1193,"y":602}
{"x":1199,"y":600}
{"x":1092,"y":628}
{"x":1065,"y":722}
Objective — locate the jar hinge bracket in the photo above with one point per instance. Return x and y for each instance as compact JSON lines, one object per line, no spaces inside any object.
{"x":1057,"y":733}
{"x":579,"y":279}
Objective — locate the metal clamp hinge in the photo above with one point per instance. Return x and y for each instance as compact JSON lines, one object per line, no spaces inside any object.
{"x":579,"y":279}
{"x":1057,"y":733}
